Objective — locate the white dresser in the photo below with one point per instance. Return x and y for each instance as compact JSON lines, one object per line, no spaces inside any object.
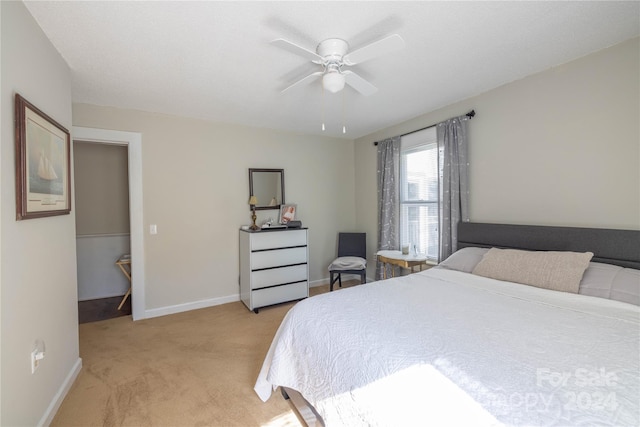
{"x":274,"y":266}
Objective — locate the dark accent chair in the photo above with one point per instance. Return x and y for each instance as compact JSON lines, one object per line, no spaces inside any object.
{"x":352,"y":258}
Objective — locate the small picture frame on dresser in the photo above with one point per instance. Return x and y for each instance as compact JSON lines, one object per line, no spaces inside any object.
{"x":287,"y":213}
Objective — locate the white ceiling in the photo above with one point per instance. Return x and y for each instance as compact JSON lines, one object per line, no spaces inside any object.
{"x":213,"y":60}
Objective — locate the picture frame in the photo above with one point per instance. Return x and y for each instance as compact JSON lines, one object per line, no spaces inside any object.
{"x":43,"y":168}
{"x":287,"y":213}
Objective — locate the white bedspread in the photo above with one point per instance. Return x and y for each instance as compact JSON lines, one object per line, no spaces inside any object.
{"x":443,"y":347}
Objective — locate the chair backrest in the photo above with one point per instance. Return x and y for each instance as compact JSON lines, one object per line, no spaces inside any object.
{"x":352,"y":244}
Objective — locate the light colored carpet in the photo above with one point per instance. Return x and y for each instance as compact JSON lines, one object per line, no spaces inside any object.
{"x":189,"y":369}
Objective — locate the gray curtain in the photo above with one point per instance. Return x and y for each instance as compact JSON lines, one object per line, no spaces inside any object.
{"x":388,"y":204}
{"x":454,"y":188}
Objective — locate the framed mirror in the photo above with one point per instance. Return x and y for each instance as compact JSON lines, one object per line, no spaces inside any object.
{"x":268,"y":187}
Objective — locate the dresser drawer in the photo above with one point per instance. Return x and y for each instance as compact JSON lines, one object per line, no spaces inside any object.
{"x":278,"y":276}
{"x":278,"y":294}
{"x":277,"y":257}
{"x":278,"y":239}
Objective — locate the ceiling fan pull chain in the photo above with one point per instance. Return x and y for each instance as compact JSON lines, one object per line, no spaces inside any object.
{"x":344,"y":126}
{"x":322,"y":101}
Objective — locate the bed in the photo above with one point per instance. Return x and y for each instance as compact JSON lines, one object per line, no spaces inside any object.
{"x":453,"y":345}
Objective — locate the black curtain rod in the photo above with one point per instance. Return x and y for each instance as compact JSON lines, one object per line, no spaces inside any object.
{"x":471,"y":114}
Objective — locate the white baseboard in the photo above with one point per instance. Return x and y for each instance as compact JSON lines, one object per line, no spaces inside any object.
{"x":179,"y":308}
{"x":313,"y":284}
{"x":51,"y":411}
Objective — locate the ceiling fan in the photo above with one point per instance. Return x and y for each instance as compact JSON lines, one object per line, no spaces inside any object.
{"x":333,"y":55}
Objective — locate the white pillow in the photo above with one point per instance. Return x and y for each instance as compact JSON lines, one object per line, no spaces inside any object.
{"x":348,"y":263}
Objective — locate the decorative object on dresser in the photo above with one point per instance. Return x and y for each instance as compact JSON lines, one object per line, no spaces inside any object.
{"x":287,"y":213}
{"x":270,"y":224}
{"x":274,"y":266}
{"x":253,"y":201}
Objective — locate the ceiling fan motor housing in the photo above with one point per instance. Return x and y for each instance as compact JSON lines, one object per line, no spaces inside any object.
{"x":333,"y":49}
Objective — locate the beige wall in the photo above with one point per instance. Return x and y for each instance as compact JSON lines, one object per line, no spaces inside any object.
{"x":561,"y":147}
{"x":196,"y":189}
{"x":101,"y":188}
{"x":38,"y":273}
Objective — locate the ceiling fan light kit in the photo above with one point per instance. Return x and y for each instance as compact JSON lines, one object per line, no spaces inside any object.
{"x":333,"y":82}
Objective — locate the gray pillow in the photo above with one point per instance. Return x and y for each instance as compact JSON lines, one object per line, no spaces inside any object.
{"x":597,"y":279}
{"x":611,"y":282}
{"x":626,"y":286}
{"x":464,"y":260}
{"x":558,"y":271}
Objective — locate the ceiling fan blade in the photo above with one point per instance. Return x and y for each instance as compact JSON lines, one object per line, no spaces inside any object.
{"x":381,"y":47}
{"x":298,"y":50}
{"x":305,"y":80}
{"x":359,"y":84}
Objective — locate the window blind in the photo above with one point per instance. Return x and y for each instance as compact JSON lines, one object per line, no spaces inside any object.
{"x":419,"y":192}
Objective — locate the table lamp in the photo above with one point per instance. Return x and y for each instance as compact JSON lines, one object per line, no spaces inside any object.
{"x":253,"y":201}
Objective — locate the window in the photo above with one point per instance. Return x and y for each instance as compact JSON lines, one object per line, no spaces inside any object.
{"x":419,"y":191}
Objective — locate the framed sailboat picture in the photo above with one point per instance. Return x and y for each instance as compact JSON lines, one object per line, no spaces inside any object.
{"x":43,"y":171}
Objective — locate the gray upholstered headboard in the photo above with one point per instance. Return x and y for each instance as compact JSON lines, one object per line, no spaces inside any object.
{"x":617,"y":247}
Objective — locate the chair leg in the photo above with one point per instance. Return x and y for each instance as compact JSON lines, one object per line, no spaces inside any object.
{"x":363,"y":278}
{"x":331,"y":282}
{"x":340,"y":279}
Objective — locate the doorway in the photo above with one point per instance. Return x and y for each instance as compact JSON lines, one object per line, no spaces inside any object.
{"x":133,"y":143}
{"x":101,"y":184}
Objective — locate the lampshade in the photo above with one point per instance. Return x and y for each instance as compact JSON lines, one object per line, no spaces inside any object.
{"x":333,"y":82}
{"x":253,"y":200}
